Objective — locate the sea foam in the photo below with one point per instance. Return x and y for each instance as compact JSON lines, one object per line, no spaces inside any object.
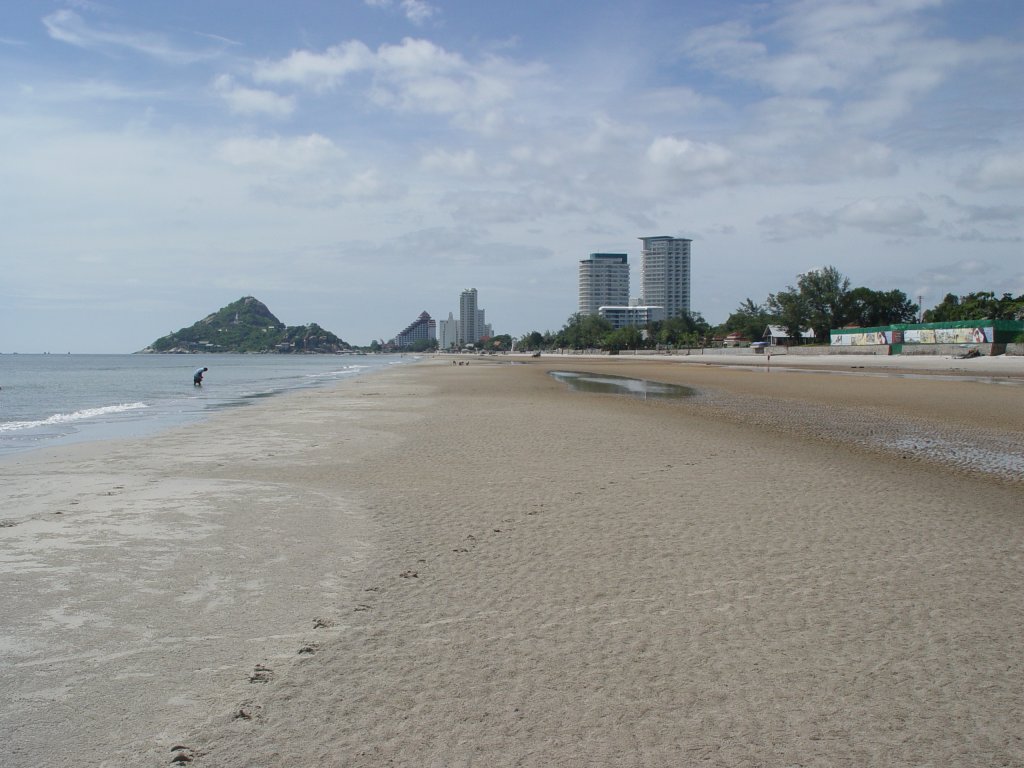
{"x":64,"y":418}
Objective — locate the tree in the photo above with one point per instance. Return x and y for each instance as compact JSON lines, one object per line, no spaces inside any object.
{"x":685,"y":330}
{"x":824,"y":291}
{"x":982,"y":305}
{"x":750,"y":320}
{"x":583,"y":331}
{"x":816,"y":303}
{"x":868,"y":309}
{"x":790,"y":309}
{"x":628,"y":337}
{"x":532,"y":340}
{"x":500,"y":343}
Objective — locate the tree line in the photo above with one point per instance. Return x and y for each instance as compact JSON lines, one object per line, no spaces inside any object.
{"x":820,"y":301}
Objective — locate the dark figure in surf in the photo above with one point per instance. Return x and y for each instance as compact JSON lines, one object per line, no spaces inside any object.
{"x":197,"y":377}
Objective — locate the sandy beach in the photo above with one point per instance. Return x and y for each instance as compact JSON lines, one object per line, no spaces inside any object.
{"x":459,"y":565}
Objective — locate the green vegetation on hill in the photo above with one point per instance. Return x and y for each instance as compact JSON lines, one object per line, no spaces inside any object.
{"x":248,"y":326}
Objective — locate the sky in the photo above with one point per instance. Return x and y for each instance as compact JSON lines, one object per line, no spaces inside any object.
{"x":356,"y":162}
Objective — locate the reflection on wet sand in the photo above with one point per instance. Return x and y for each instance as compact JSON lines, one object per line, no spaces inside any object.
{"x":621,"y":385}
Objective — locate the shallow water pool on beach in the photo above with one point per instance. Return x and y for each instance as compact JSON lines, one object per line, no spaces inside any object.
{"x":622,"y":385}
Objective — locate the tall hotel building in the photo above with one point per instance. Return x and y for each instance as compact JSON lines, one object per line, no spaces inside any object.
{"x":665,"y":274}
{"x":604,"y":282}
{"x":424,"y":328}
{"x":471,"y":318}
{"x":448,"y":333}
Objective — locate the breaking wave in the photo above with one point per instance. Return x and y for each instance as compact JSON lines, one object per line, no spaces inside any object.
{"x":65,"y":418}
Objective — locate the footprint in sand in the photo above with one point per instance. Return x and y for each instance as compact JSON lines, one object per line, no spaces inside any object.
{"x":261,"y":674}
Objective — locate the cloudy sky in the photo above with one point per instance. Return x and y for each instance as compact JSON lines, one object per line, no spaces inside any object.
{"x":355,"y":162}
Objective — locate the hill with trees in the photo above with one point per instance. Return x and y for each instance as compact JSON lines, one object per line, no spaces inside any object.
{"x":248,"y":326}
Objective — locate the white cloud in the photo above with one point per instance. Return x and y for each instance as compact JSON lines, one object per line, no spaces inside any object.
{"x":413,"y":76}
{"x":68,"y":27}
{"x":688,"y":156}
{"x":885,"y":216}
{"x":301,"y":153}
{"x":251,"y":101}
{"x":857,"y":157}
{"x":416,"y":11}
{"x":873,"y":60}
{"x":797,"y":225}
{"x":994,"y":213}
{"x":882,"y":216}
{"x":957,"y":273}
{"x":464,"y":163}
{"x":728,"y":48}
{"x":318,"y":71}
{"x":1004,"y":170}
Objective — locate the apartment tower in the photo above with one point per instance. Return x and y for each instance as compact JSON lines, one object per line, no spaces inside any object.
{"x":665,"y":274}
{"x":604,"y":282}
{"x":469,"y":317}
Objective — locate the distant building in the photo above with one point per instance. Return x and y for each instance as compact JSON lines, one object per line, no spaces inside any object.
{"x":665,"y":274}
{"x":423,"y":328}
{"x":735,"y":339}
{"x":603,"y":282}
{"x":622,"y":317}
{"x":470,"y":318}
{"x":448,"y":333}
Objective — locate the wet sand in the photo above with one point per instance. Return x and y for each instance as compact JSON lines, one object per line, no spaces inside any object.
{"x":465,"y":565}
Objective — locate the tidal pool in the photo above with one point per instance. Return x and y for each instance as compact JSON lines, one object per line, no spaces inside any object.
{"x":621,"y":385}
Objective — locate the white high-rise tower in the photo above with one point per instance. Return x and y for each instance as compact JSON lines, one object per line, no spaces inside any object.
{"x":665,"y":274}
{"x":604,"y":282}
{"x":469,"y":317}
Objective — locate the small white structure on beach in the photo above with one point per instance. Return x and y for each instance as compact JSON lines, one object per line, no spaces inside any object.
{"x":777,"y":336}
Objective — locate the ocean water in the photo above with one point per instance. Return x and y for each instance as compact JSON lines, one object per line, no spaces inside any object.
{"x":53,"y":399}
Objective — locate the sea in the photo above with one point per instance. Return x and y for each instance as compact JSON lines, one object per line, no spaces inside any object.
{"x":48,"y":400}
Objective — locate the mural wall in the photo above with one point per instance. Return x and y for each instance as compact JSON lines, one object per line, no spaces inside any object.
{"x":861,"y":339}
{"x":963,"y":335}
{"x":871,"y":337}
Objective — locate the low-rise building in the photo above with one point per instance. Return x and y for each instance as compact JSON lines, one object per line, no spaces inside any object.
{"x":778,"y":336}
{"x":625,"y":316}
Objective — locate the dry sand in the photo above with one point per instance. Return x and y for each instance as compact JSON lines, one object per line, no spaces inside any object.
{"x":453,"y":566}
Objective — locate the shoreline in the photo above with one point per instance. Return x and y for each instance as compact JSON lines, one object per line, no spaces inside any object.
{"x":441,"y":565}
{"x":111,"y":397}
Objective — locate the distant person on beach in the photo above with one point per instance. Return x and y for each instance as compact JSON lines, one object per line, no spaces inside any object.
{"x":197,"y":377}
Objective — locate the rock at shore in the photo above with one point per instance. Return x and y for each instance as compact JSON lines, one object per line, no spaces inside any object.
{"x":248,"y":326}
